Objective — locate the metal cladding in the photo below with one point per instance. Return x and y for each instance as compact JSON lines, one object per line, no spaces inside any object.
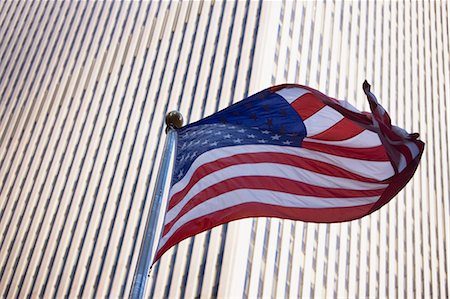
{"x":84,"y":90}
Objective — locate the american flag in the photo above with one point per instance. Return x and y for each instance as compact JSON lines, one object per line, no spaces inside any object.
{"x":289,"y":152}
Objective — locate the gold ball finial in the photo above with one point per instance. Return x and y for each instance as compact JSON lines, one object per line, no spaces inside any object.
{"x":174,"y":119}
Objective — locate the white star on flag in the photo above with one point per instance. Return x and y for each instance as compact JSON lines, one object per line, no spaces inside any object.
{"x":276,"y":137}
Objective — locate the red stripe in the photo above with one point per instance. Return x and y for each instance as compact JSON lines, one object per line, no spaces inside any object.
{"x":362,"y":118}
{"x":386,"y":118}
{"x":342,"y":130}
{"x":280,"y":158}
{"x":406,"y":152}
{"x":307,"y":105}
{"x":326,"y":215}
{"x":376,"y":153}
{"x":269,"y":183}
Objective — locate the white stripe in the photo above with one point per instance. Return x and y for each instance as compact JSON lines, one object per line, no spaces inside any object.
{"x":348,"y":106}
{"x":370,"y":169}
{"x":402,"y":163}
{"x":241,"y":196}
{"x":274,"y":170}
{"x":413,"y":148}
{"x":321,"y":121}
{"x":364,"y":139}
{"x":400,"y":132}
{"x":290,"y":94}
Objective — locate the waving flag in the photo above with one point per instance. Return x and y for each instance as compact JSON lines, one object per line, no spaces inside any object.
{"x":289,"y":152}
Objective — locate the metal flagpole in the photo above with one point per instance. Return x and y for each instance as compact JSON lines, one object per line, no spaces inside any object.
{"x":174,"y":120}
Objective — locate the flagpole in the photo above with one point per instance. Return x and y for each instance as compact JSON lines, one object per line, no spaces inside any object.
{"x":174,"y":120}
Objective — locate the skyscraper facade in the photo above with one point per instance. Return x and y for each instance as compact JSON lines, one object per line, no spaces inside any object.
{"x":84,"y":90}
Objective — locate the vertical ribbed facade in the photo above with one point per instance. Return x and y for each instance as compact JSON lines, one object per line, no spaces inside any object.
{"x":85,"y":86}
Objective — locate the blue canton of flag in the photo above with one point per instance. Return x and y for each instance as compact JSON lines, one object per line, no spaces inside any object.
{"x":264,"y":118}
